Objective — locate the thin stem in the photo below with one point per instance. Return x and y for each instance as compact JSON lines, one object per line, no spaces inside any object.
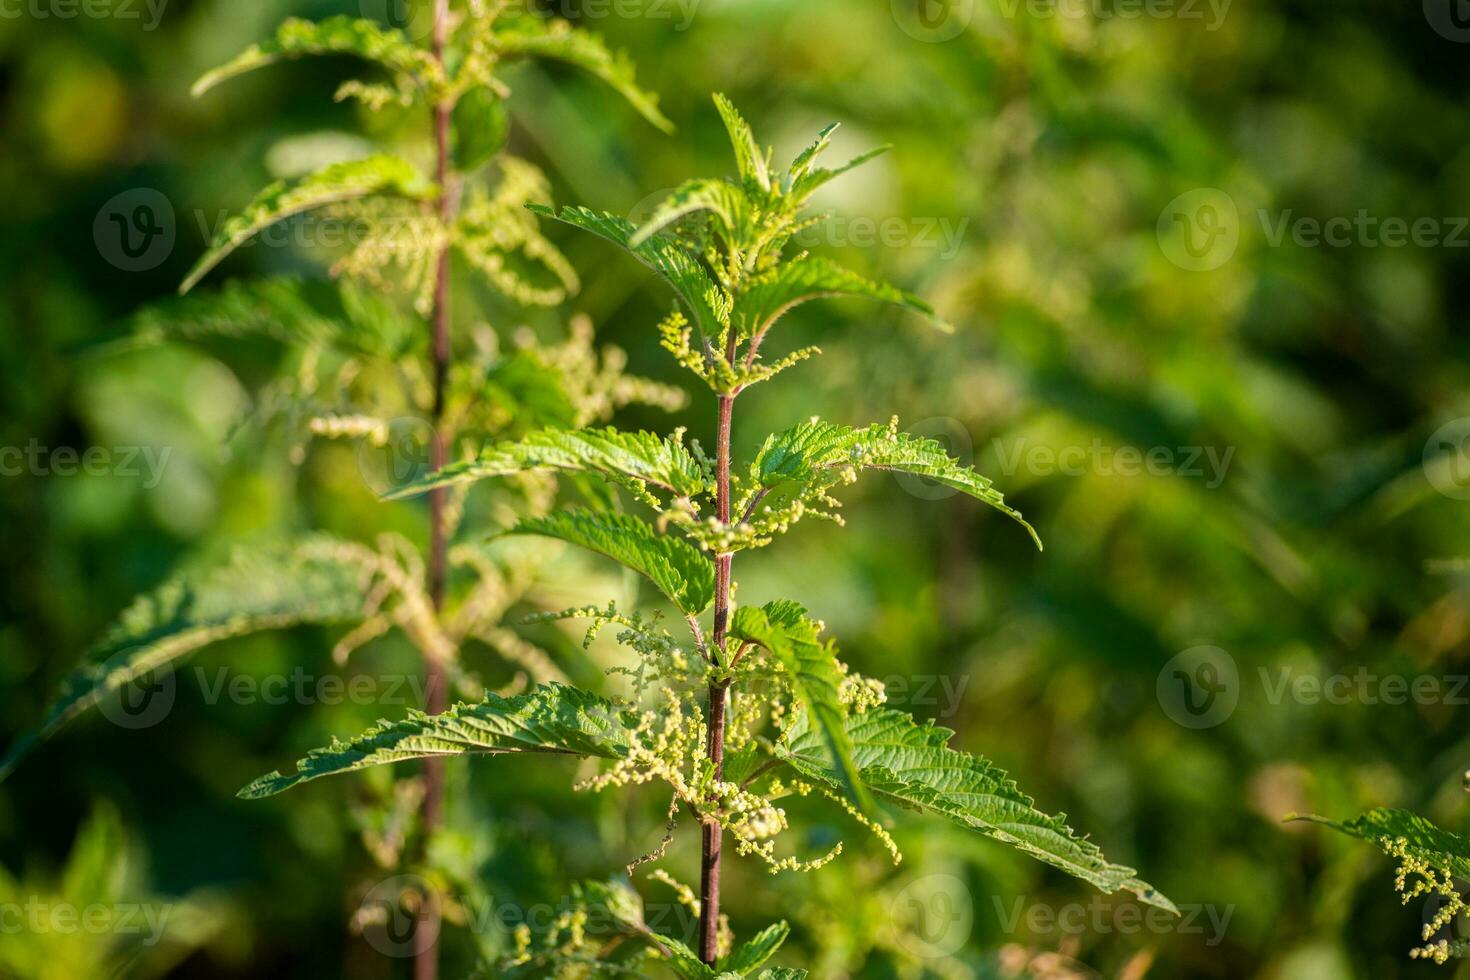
{"x":436,"y":681}
{"x":709,"y":876}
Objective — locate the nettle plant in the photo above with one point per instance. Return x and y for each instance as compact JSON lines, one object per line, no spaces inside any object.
{"x":378,"y":348}
{"x":748,"y":704}
{"x":1433,"y":864}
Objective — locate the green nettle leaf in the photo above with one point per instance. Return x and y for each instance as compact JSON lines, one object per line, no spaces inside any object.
{"x":663,"y":254}
{"x":632,"y":459}
{"x":749,"y":159}
{"x":782,"y":973}
{"x":771,"y":295}
{"x":680,"y":570}
{"x":912,"y":766}
{"x":782,"y":627}
{"x":382,"y":174}
{"x":1409,"y":834}
{"x":683,"y":960}
{"x":551,"y":719}
{"x":807,"y":180}
{"x":320,"y":580}
{"x":481,"y":126}
{"x":753,"y":954}
{"x":538,"y":37}
{"x":816,"y":454}
{"x":296,"y":38}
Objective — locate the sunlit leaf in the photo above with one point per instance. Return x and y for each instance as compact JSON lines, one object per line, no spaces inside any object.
{"x":376,"y":175}
{"x":552,"y":719}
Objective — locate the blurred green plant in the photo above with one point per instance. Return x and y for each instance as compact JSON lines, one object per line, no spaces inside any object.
{"x":93,"y":919}
{"x":356,"y":360}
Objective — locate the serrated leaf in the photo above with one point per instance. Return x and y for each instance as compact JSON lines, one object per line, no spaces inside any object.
{"x":817,"y":452}
{"x":719,"y":197}
{"x":533,"y":36}
{"x":319,"y":580}
{"x":771,"y":295}
{"x":661,"y":253}
{"x":682,"y":960}
{"x":296,"y":312}
{"x":782,"y":973}
{"x":481,"y":125}
{"x":296,"y":38}
{"x":749,"y":159}
{"x":802,"y":165}
{"x":551,"y":719}
{"x":782,"y":627}
{"x":810,"y":180}
{"x":382,"y":174}
{"x":679,"y":570}
{"x":753,"y":954}
{"x":1420,"y":837}
{"x":626,"y":458}
{"x":912,"y":766}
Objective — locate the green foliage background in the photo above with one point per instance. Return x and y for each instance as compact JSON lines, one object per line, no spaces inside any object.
{"x":1048,"y":145}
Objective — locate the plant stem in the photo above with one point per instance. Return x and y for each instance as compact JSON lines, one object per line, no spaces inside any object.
{"x":436,"y":681}
{"x":709,"y":877}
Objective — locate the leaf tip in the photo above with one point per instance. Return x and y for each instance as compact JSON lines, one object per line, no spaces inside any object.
{"x":267,"y":785}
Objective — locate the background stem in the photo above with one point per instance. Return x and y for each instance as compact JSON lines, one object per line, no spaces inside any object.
{"x":436,"y":682}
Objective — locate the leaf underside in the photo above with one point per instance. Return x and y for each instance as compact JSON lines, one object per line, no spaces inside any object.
{"x":679,"y":570}
{"x":382,"y":174}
